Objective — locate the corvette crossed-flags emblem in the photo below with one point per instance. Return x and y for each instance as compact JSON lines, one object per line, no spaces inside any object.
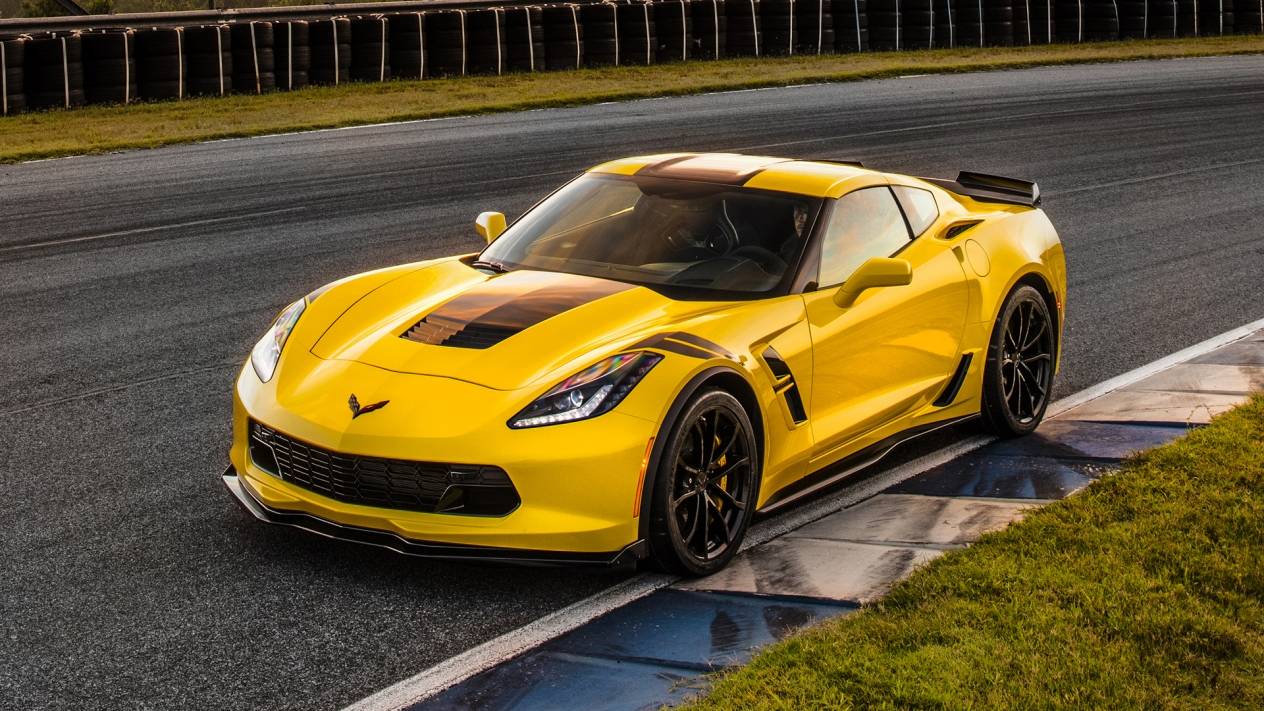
{"x":357,"y":410}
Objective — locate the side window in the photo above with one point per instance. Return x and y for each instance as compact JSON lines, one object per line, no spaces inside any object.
{"x":863,"y":224}
{"x":919,"y":206}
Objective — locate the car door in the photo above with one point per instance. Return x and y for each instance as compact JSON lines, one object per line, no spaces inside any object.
{"x":895,"y":348}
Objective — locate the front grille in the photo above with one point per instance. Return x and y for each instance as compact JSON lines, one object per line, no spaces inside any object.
{"x":430,"y":487}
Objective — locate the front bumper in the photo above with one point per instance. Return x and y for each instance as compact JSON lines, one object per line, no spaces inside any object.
{"x":249,"y":500}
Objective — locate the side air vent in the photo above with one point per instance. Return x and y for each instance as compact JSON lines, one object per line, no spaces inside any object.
{"x":784,"y":385}
{"x":953,"y":388}
{"x":955,"y":230}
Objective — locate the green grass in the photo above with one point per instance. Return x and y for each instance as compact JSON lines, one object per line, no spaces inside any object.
{"x":108,"y":128}
{"x":1145,"y":591}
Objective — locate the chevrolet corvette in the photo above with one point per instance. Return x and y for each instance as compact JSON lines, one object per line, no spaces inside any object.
{"x":658,"y":350}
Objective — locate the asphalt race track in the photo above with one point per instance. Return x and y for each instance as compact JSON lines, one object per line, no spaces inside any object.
{"x":133,"y":285}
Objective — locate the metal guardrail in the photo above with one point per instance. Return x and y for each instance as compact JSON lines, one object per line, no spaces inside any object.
{"x":19,"y":25}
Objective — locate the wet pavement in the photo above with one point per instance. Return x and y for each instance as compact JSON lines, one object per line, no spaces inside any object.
{"x":658,"y":650}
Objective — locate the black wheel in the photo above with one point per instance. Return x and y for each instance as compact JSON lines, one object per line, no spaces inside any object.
{"x":1019,"y":374}
{"x":704,"y":491}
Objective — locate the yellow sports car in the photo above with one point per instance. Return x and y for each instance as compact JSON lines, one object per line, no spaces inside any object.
{"x":653,"y":353}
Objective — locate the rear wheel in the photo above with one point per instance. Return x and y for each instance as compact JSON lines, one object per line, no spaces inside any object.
{"x":1019,"y":373}
{"x":704,"y":489}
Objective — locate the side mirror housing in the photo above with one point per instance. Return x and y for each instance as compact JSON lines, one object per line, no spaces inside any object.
{"x":874,"y":273}
{"x":490,"y":225}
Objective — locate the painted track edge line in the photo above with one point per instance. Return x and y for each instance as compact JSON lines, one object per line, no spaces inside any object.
{"x":455,"y":670}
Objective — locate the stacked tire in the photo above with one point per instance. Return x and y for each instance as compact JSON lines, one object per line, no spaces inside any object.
{"x":1248,"y":16}
{"x":330,"y":42}
{"x":638,"y":33}
{"x":162,"y":69}
{"x":1134,"y":19}
{"x":886,"y":26}
{"x":814,"y":22}
{"x":851,"y":25}
{"x":1187,"y":18}
{"x":54,"y":72}
{"x":1069,"y":16}
{"x":446,"y":41}
{"x":524,"y":38}
{"x":1040,"y":21}
{"x":917,"y":24}
{"x":998,"y":23}
{"x":601,"y":34}
{"x":292,"y":53}
{"x":370,"y":49}
{"x":563,"y":37}
{"x":779,"y":32}
{"x":1161,"y":20}
{"x":1215,"y":17}
{"x":1021,"y":35}
{"x":710,"y":28}
{"x":109,"y":67}
{"x":254,"y":57}
{"x":485,"y":34}
{"x":743,"y":29}
{"x":971,"y":28}
{"x":210,"y":52}
{"x":12,"y":75}
{"x":673,"y":23}
{"x":945,"y":17}
{"x":1101,"y":20}
{"x":408,"y":44}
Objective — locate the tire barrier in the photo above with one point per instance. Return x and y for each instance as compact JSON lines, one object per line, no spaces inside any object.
{"x":210,"y":54}
{"x":408,"y":44}
{"x":109,"y":67}
{"x":254,"y":57}
{"x":330,"y":43}
{"x":370,"y":49}
{"x":601,"y":34}
{"x":68,"y":69}
{"x":524,"y":38}
{"x":12,"y":76}
{"x":54,"y":72}
{"x":778,"y":31}
{"x":292,"y":54}
{"x":743,"y":29}
{"x":851,"y":25}
{"x":673,"y":21}
{"x":1248,"y":16}
{"x":710,"y":28}
{"x":446,"y":38}
{"x":563,"y":37}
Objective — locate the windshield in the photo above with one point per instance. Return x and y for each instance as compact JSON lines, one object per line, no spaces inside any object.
{"x":657,"y":231}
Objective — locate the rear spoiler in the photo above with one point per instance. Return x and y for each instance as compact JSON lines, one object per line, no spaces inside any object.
{"x":991,"y":188}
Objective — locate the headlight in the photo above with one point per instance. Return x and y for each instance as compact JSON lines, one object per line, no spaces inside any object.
{"x":588,"y":393}
{"x":268,"y":350}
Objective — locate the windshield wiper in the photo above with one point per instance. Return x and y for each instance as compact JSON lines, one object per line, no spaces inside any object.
{"x":494,"y":267}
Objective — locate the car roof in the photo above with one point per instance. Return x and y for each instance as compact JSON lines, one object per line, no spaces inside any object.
{"x":817,"y":178}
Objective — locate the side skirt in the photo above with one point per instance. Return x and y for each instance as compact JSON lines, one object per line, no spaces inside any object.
{"x":847,"y":466}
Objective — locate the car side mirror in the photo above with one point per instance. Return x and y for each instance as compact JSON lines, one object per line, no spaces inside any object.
{"x":490,"y":225}
{"x":876,"y":272}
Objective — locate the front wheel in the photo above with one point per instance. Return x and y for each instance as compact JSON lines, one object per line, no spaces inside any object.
{"x":1019,"y":372}
{"x":704,"y":488}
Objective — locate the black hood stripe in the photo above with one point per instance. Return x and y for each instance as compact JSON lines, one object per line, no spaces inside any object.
{"x":503,"y":306}
{"x":685,"y":344}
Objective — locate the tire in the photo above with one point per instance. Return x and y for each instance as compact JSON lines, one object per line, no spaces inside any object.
{"x":682,"y":540}
{"x":1017,"y":360}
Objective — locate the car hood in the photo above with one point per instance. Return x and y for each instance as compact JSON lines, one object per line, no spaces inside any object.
{"x":506,"y":331}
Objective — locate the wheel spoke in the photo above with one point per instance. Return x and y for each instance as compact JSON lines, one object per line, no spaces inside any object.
{"x":678,"y":501}
{"x":729,"y":445}
{"x":724,"y":494}
{"x":713,"y":440}
{"x":687,"y":536}
{"x":691,"y":471}
{"x":1028,"y":343}
{"x":703,"y":512}
{"x":731,"y":468}
{"x":711,"y":507}
{"x":1038,"y":356}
